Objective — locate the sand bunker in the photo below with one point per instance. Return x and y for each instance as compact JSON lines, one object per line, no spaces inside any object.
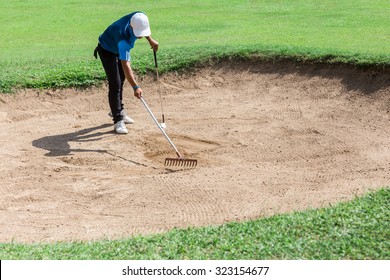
{"x":269,"y":138}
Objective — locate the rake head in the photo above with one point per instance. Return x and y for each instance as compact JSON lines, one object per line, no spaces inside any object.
{"x":181,"y":162}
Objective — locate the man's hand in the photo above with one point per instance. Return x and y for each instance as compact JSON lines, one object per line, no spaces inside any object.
{"x":153,"y":43}
{"x":138,"y":93}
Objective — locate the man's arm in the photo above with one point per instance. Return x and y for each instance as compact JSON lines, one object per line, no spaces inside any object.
{"x":130,"y":77}
{"x":153,"y":43}
{"x":129,"y":72}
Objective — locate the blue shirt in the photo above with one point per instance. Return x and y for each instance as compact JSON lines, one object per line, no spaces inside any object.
{"x":119,"y":38}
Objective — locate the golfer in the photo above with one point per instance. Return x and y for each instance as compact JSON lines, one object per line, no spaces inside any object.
{"x":114,"y":51}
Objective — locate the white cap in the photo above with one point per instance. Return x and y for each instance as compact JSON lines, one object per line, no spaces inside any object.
{"x":140,"y":24}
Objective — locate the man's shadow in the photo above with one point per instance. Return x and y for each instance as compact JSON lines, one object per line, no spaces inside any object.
{"x":59,"y":145}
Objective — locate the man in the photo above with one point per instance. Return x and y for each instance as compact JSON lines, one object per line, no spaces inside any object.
{"x":114,"y":51}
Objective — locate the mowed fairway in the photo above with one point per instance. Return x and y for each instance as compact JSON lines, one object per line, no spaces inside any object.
{"x":46,"y":45}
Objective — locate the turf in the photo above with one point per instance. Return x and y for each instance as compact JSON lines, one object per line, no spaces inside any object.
{"x":359,"y":229}
{"x":45,"y":45}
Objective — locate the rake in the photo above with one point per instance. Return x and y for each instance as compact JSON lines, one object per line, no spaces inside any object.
{"x":180,"y":161}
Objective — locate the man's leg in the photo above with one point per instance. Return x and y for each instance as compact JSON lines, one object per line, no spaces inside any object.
{"x":115,"y":82}
{"x":123,"y":78}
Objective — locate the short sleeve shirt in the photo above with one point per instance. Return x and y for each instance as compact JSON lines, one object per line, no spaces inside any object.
{"x":119,"y":38}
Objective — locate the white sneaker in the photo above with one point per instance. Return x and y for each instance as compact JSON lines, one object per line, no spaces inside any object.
{"x":125,"y":117}
{"x":120,"y":127}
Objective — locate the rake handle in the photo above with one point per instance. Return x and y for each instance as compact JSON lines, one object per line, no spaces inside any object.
{"x":161,"y":129}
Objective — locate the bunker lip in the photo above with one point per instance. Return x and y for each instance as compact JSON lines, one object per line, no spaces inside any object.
{"x":269,"y":137}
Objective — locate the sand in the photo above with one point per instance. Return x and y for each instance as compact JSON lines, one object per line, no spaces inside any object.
{"x":269,"y":137}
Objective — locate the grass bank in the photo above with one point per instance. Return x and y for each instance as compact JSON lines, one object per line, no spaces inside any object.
{"x":359,"y":229}
{"x":49,"y":43}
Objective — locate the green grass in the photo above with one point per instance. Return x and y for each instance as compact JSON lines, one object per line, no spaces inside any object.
{"x":359,"y":229}
{"x":49,"y":43}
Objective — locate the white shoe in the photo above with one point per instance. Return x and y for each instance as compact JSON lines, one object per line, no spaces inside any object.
{"x":125,"y":117}
{"x":120,"y":127}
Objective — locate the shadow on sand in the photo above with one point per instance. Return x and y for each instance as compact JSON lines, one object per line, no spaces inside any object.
{"x":59,"y":145}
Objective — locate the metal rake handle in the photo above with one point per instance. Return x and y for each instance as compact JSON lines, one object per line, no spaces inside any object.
{"x":161,"y":129}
